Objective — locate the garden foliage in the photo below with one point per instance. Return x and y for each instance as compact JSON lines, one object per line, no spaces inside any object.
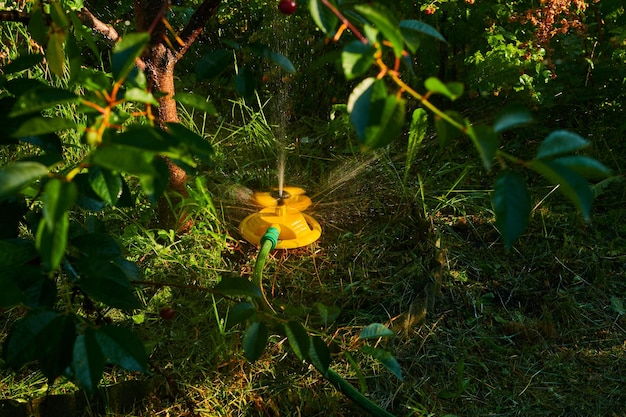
{"x":46,"y":250}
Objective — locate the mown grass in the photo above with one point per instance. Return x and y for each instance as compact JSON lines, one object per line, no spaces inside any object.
{"x":480,"y":330}
{"x":538,"y":330}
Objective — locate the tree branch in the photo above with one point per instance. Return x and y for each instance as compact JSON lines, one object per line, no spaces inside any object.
{"x":196,"y":24}
{"x":88,"y":19}
{"x":14,"y":16}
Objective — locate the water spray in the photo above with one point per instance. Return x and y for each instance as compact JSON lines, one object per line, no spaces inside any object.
{"x":283,"y":208}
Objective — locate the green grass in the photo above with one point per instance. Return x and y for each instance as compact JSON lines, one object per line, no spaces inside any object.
{"x":480,"y":330}
{"x":537,"y":330}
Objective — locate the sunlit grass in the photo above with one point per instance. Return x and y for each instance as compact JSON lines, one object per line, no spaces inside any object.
{"x":479,"y":330}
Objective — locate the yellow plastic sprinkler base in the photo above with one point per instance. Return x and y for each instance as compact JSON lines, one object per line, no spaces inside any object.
{"x":297,"y":229}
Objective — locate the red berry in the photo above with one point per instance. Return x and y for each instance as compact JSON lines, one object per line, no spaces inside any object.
{"x":167,"y":313}
{"x":287,"y":6}
{"x":429,"y":10}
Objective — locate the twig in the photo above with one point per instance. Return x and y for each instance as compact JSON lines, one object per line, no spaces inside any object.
{"x":88,"y":19}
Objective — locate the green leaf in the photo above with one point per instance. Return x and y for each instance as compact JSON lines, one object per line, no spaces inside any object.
{"x":266,"y":52}
{"x":42,"y":334}
{"x":140,"y":95}
{"x":386,"y":358}
{"x":359,"y":105}
{"x":376,"y":116}
{"x":87,"y":361}
{"x":126,"y":52}
{"x":386,"y":23}
{"x":324,"y":18}
{"x":282,"y":61}
{"x":585,"y":166}
{"x":15,"y":252}
{"x":19,"y":87}
{"x":327,"y":313}
{"x":22,"y":62}
{"x":39,"y":291}
{"x":387,"y":124}
{"x":214,"y":63}
{"x":197,"y":102}
{"x":298,"y":339}
{"x":55,"y":56}
{"x":40,"y":125}
{"x":375,"y":331}
{"x":73,"y":51}
{"x":254,"y":341}
{"x":357,"y":59}
{"x":246,"y":82}
{"x":154,"y":185}
{"x":130,"y":268}
{"x":319,"y":354}
{"x":451,"y":90}
{"x":55,"y":347}
{"x":11,"y":293}
{"x":40,"y":98}
{"x":411,"y":29}
{"x":146,"y":138}
{"x":58,"y":15}
{"x":93,"y":80}
{"x":22,"y":343}
{"x":571,"y":184}
{"x":239,"y":313}
{"x":238,"y":287}
{"x":511,"y":117}
{"x":98,"y":245}
{"x":512,"y":204}
{"x":122,"y":347}
{"x":485,"y":141}
{"x":87,"y":198}
{"x":51,"y":242}
{"x":371,"y":33}
{"x":58,"y":197}
{"x":124,"y":159}
{"x":447,"y":132}
{"x":37,"y":26}
{"x":106,"y":184}
{"x":127,"y":199}
{"x":191,"y":142}
{"x":560,"y":142}
{"x":84,"y":33}
{"x":18,"y":175}
{"x":49,"y":143}
{"x":106,"y":282}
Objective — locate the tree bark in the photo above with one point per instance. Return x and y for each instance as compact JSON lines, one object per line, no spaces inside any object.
{"x":160,"y":61}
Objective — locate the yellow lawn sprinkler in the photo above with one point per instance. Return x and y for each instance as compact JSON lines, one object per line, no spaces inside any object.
{"x":285,"y":213}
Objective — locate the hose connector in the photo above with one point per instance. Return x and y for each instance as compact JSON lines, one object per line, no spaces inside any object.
{"x":271,"y":234}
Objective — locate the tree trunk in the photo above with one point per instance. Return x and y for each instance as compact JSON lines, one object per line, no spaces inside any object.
{"x":159,"y":67}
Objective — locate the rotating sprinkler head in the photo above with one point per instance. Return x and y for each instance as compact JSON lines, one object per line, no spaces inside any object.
{"x":297,"y":229}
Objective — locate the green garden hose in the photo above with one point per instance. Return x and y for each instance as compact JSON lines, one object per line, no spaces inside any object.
{"x":355,"y":395}
{"x":268,"y":242}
